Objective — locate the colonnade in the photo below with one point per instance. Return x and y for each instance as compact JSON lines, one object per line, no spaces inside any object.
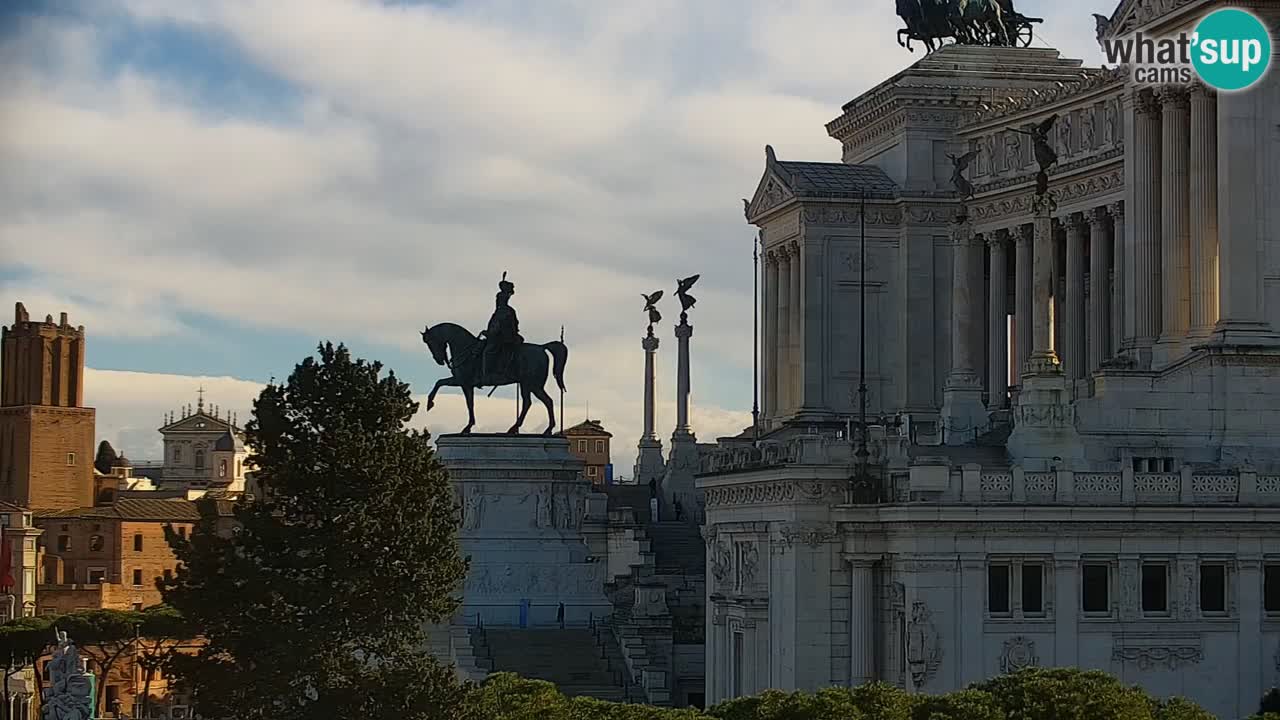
{"x":1150,"y":291}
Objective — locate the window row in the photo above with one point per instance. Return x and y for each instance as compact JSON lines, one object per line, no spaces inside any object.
{"x":97,"y":543}
{"x":1028,"y":581}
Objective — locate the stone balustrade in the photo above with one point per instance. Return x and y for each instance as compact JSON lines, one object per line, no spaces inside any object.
{"x":1110,"y":488}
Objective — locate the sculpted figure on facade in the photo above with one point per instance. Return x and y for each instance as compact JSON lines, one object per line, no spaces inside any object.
{"x":542,"y":508}
{"x":563,"y":515}
{"x":924,"y":649}
{"x":70,"y":695}
{"x":473,"y":509}
{"x":1012,"y":151}
{"x":1088,"y":126}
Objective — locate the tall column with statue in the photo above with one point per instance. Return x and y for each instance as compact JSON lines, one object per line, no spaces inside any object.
{"x":649,"y":463}
{"x":678,"y":491}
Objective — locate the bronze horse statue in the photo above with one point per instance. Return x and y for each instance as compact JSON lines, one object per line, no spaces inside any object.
{"x":454,"y":347}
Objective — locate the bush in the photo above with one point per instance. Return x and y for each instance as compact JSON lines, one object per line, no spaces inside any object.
{"x":1032,"y":694}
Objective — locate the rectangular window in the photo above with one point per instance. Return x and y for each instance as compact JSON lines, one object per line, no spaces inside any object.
{"x":96,"y":543}
{"x":64,"y":543}
{"x":96,"y":576}
{"x":182,"y":533}
{"x":582,"y":446}
{"x":137,"y":607}
{"x":137,"y":577}
{"x":599,"y":446}
{"x":1213,"y":588}
{"x":1032,"y":589}
{"x":71,"y":458}
{"x":168,"y":574}
{"x":137,"y":542}
{"x":1271,"y":588}
{"x":1155,"y":588}
{"x":998,"y":589}
{"x":591,"y":471}
{"x":1095,"y":582}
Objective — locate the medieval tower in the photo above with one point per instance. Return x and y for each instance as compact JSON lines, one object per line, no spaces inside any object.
{"x":46,"y":432}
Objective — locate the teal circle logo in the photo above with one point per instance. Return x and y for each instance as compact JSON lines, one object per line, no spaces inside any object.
{"x":1231,"y":49}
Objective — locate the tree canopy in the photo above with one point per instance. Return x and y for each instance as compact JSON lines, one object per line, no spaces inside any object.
{"x":320,"y":598}
{"x":105,"y":458}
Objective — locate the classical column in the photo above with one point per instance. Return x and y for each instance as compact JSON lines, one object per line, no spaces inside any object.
{"x":1175,"y":219}
{"x":1116,"y":209}
{"x":1100,"y":241}
{"x":1023,"y":282}
{"x":998,"y":321}
{"x":1247,"y":158}
{"x":769,"y":358}
{"x":1146,"y":226}
{"x":1043,"y":358}
{"x":684,"y":331}
{"x":782,"y":362}
{"x":1059,"y":291}
{"x":963,"y":414}
{"x":1073,"y":335}
{"x":796,"y":386}
{"x":1203,"y":170}
{"x":862,"y":627}
{"x":649,"y":463}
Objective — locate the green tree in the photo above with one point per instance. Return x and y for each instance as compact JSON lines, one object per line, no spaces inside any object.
{"x":105,"y":458}
{"x":1066,"y":694}
{"x":22,"y":642}
{"x":163,"y":632}
{"x":1270,"y":702}
{"x":318,"y":601}
{"x":102,"y":636}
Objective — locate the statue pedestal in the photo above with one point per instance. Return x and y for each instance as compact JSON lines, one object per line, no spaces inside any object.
{"x":649,"y":462}
{"x":677,"y":482}
{"x":523,"y":505}
{"x":1044,"y":433}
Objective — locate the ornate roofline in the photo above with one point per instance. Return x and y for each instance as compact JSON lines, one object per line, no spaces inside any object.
{"x":1099,"y":79}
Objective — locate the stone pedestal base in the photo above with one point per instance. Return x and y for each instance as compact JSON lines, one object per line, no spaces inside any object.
{"x":677,"y":482}
{"x":524,"y":503}
{"x":963,"y":414}
{"x":649,"y":463}
{"x":1243,"y":334}
{"x":1044,"y":432}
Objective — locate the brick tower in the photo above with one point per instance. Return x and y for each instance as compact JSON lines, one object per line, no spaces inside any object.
{"x":46,"y":432}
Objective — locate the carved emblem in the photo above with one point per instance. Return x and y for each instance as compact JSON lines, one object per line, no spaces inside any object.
{"x":1019,"y":653}
{"x":924,"y":649}
{"x":811,"y":535}
{"x":721,"y":561}
{"x":1146,"y":657}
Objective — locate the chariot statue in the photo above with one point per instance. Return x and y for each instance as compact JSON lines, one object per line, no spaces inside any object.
{"x":498,"y":356}
{"x":966,"y":22}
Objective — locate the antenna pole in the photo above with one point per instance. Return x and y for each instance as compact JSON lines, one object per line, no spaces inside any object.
{"x":755,"y":339}
{"x":561,"y":389}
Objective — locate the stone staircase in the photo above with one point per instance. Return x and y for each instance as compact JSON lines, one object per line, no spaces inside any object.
{"x":677,"y":546}
{"x":569,"y":658}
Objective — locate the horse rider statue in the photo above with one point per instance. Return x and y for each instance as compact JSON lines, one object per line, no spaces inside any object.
{"x":502,"y":337}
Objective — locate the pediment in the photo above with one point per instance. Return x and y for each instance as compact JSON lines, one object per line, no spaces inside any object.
{"x":773,"y":190}
{"x":199,"y":422}
{"x":1132,"y":15}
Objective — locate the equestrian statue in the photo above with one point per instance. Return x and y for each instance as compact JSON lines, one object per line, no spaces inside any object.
{"x":498,"y":356}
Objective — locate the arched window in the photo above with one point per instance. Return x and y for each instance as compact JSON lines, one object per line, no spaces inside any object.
{"x":222,"y":468}
{"x":199,"y":459}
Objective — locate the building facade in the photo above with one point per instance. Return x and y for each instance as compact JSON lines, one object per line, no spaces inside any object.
{"x":589,"y":442}
{"x":1072,"y":399}
{"x":204,"y":451}
{"x":46,"y":432}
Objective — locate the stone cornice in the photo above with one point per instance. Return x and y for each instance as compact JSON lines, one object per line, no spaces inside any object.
{"x":1038,"y":101}
{"x":1102,"y":184}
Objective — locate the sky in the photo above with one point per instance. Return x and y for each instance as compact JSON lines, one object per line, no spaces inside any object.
{"x":213,"y":187}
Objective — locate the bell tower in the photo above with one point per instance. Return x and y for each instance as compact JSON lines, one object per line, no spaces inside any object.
{"x":46,"y":432}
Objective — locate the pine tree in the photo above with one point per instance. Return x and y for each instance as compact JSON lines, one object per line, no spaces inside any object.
{"x":315,"y":605}
{"x":105,"y":458}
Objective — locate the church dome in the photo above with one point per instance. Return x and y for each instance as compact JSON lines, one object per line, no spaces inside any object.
{"x":122,"y":462}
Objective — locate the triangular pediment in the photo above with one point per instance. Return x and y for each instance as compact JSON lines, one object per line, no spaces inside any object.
{"x":1132,"y":15}
{"x":773,"y":190}
{"x":199,"y":422}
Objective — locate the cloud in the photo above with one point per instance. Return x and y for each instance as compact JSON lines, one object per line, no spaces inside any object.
{"x":412,"y":154}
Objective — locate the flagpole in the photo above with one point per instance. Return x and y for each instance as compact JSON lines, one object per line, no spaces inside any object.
{"x":562,"y":388}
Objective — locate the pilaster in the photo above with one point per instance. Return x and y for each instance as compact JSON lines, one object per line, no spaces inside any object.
{"x":998,"y":321}
{"x":1175,"y":243}
{"x":1203,"y":171}
{"x":1100,"y":257}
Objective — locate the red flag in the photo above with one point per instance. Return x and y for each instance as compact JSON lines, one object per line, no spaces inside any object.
{"x":6,"y":564}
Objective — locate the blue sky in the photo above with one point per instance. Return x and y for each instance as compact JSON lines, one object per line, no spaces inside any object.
{"x":212,"y":187}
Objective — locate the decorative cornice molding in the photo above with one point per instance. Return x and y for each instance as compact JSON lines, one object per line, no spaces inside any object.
{"x":1037,"y":99}
{"x":799,"y":492}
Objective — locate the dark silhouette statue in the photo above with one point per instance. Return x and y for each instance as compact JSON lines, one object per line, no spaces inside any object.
{"x":964,"y":188}
{"x":499,"y":356}
{"x":687,"y":301}
{"x":650,"y":306}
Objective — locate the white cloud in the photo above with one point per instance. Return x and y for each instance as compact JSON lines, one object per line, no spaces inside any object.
{"x":595,"y":150}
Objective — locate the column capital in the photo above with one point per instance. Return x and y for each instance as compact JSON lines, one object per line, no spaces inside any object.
{"x":961,"y":232}
{"x":1173,"y":98}
{"x":1116,"y":209}
{"x":1144,"y":101}
{"x":998,"y":239}
{"x":1098,"y":218}
{"x":1026,"y":233}
{"x":859,"y":561}
{"x":770,"y":257}
{"x":1199,"y":90}
{"x":1074,"y":223}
